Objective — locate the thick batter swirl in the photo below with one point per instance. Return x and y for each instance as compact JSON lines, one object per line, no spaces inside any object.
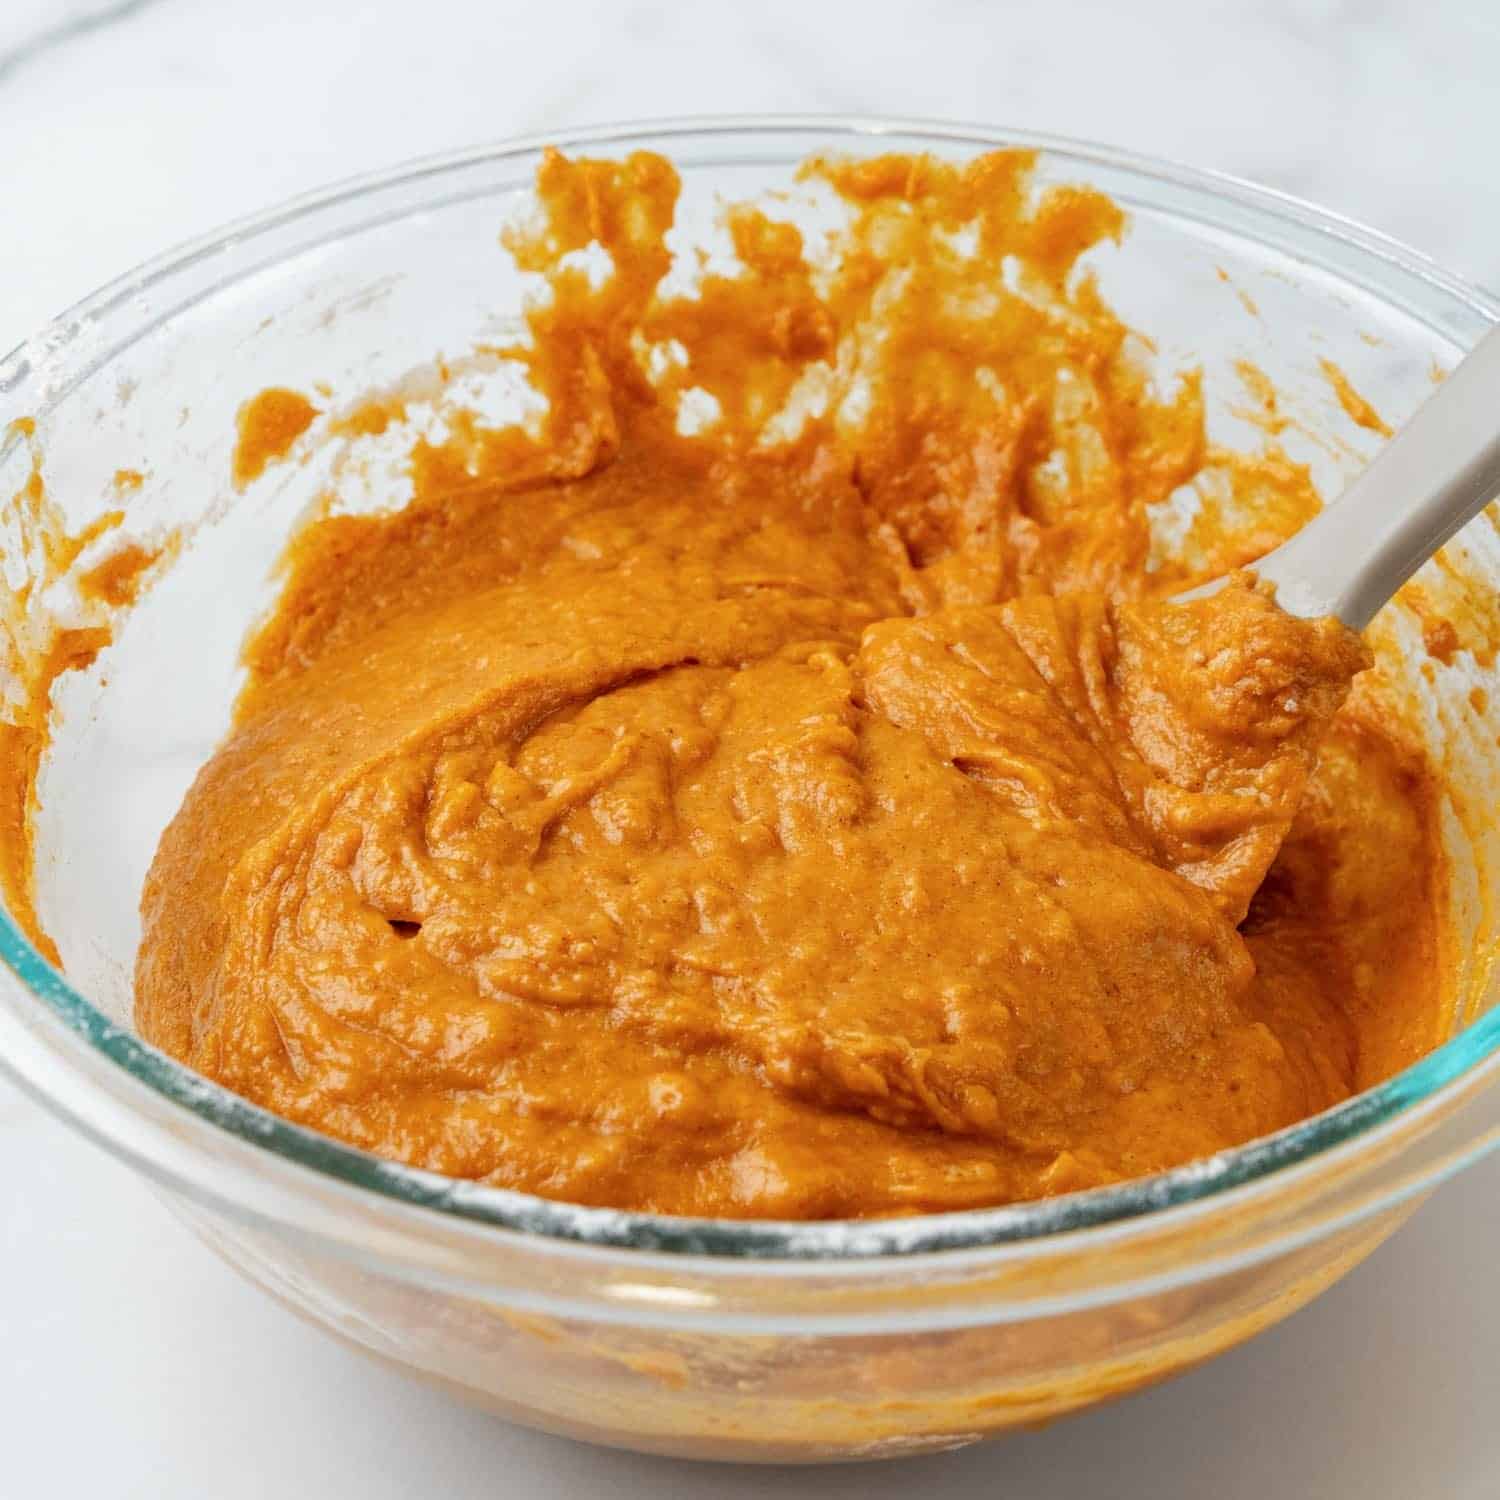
{"x":824,"y":813}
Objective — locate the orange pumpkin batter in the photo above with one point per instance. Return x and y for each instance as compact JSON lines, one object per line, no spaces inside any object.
{"x":824,"y":811}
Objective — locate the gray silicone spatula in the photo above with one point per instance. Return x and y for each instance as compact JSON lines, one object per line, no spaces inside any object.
{"x":1438,"y":472}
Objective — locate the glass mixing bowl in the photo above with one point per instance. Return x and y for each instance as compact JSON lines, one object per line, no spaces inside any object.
{"x":712,"y":1339}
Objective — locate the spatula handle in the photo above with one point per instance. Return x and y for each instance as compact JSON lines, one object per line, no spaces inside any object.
{"x":1438,"y":472}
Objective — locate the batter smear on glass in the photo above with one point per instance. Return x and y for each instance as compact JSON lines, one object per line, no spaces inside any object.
{"x":776,"y":781}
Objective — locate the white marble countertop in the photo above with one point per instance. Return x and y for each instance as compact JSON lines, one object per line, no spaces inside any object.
{"x":131,"y":1362}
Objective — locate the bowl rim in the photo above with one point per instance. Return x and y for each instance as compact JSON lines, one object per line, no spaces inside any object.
{"x":840,"y":1240}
